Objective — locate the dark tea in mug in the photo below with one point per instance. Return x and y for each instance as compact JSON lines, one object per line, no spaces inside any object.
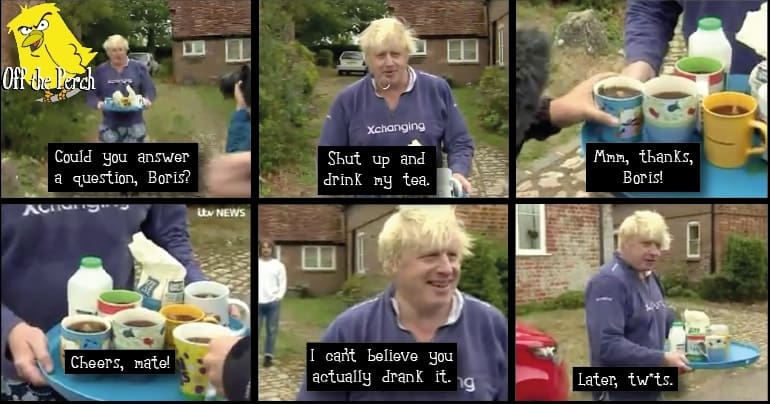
{"x":199,"y":340}
{"x":88,"y":327}
{"x":729,"y":110}
{"x":619,"y":92}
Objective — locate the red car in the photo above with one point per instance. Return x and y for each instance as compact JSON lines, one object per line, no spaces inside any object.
{"x":541,"y":373}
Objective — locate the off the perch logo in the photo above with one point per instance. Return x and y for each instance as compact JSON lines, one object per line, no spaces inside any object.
{"x":52,"y":59}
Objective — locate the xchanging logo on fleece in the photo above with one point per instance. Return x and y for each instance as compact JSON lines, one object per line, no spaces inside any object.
{"x":396,"y":128}
{"x":46,"y":209}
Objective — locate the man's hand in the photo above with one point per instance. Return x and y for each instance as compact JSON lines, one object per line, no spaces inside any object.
{"x":147,"y":102}
{"x":229,"y":175}
{"x":99,"y":104}
{"x":29,"y":345}
{"x":578,"y":105}
{"x":214,"y":361}
{"x":640,"y":70}
{"x":464,"y":182}
{"x":240,"y":103}
{"x":678,"y":360}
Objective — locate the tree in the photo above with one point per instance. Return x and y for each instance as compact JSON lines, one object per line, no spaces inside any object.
{"x":151,"y":20}
{"x":333,"y":20}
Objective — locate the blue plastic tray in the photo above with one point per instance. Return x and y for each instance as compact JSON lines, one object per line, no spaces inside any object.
{"x":110,"y":105}
{"x":749,"y":181}
{"x":739,"y":355}
{"x":112,"y":387}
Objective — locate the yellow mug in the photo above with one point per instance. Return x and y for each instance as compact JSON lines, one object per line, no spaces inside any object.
{"x":192,"y":344}
{"x":728,"y":123}
{"x":178,"y":314}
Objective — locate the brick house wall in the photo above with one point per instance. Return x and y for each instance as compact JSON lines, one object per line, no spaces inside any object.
{"x":366,"y":221}
{"x":572,"y":241}
{"x":199,"y":20}
{"x":677,"y":218}
{"x":741,"y":219}
{"x":498,"y":17}
{"x":436,"y":21}
{"x":292,"y":226}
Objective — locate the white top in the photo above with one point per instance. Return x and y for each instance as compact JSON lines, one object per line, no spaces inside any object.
{"x":272,"y":280}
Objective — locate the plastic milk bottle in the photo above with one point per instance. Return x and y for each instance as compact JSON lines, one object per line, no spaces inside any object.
{"x":85,"y":286}
{"x":677,"y":338}
{"x":710,"y":41}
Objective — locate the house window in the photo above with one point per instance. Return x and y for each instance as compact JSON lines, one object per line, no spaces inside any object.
{"x":360,"y":253}
{"x":420,"y":47}
{"x":462,"y":50}
{"x":530,"y":229}
{"x":193,"y":48}
{"x":238,"y":50}
{"x":615,"y":240}
{"x":693,"y":240}
{"x":500,"y":46}
{"x":318,"y":258}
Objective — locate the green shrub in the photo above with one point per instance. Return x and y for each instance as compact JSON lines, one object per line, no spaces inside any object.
{"x":717,"y":288}
{"x":570,"y":300}
{"x":284,"y":102}
{"x":28,"y":126}
{"x":573,"y":299}
{"x":325,"y":58}
{"x":676,"y":282}
{"x":745,"y":264}
{"x":493,"y":99}
{"x":480,"y":276}
{"x":360,"y":287}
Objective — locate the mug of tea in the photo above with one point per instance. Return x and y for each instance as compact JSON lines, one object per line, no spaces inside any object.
{"x":214,"y":299}
{"x":192,"y":344}
{"x":701,"y":69}
{"x":670,"y":109}
{"x":113,"y":301}
{"x":728,"y":129}
{"x":84,"y":332}
{"x":178,"y":314}
{"x":448,"y":186}
{"x":138,"y":328}
{"x":620,"y":97}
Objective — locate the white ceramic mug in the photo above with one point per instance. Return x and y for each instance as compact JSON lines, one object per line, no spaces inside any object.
{"x":446,"y":185}
{"x":214,"y":299}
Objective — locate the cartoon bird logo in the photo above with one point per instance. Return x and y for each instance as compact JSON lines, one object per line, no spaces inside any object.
{"x":45,"y":43}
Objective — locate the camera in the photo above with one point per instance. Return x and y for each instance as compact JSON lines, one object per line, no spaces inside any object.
{"x":227,"y":83}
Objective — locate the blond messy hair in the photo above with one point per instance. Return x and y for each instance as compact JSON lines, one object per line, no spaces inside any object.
{"x":420,"y":228}
{"x":386,"y":34}
{"x":647,"y":225}
{"x":113,"y":41}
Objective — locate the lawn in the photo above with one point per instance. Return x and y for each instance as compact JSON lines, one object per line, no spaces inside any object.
{"x":747,"y":323}
{"x":302,"y":321}
{"x":300,"y":180}
{"x":179,"y":114}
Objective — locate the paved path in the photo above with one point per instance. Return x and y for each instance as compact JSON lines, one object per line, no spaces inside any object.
{"x":562,"y":173}
{"x":489,"y":172}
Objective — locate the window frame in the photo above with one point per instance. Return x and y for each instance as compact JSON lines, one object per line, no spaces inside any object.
{"x":689,"y":254}
{"x":462,"y":50}
{"x":542,"y":250}
{"x":192,"y":46}
{"x":227,"y":52}
{"x":319,"y":248}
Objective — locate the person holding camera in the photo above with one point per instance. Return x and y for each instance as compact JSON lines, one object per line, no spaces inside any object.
{"x":229,"y":175}
{"x":116,"y":75}
{"x":239,"y":131}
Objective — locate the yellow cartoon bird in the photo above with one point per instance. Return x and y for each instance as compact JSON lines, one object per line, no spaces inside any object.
{"x":45,"y":43}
